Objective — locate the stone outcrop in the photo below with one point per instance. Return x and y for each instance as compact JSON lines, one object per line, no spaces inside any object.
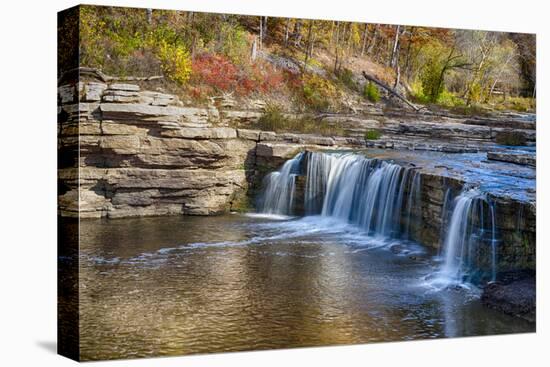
{"x":517,"y":158}
{"x":514,"y":297}
{"x":515,"y":222}
{"x":445,"y":133}
{"x":131,"y":152}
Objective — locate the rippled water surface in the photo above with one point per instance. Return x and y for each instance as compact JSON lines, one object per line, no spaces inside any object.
{"x":180,"y":285}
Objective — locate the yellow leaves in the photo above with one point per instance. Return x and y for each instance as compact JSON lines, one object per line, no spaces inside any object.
{"x":175,"y":61}
{"x":319,"y":93}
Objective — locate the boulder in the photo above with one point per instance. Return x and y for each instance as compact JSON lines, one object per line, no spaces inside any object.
{"x":516,"y":298}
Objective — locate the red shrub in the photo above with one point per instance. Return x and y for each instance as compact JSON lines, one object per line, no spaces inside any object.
{"x":216,"y":71}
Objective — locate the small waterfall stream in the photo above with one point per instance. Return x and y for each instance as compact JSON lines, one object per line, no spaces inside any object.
{"x":471,"y":233}
{"x":280,"y":185}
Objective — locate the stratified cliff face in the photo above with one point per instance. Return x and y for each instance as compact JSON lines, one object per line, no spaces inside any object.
{"x":144,"y":153}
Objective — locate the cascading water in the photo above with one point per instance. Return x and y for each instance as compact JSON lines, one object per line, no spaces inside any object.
{"x":375,"y":195}
{"x":469,"y":240}
{"x":384,"y":199}
{"x":279,"y":190}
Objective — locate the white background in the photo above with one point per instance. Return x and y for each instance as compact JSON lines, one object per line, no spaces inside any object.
{"x":28,"y":179}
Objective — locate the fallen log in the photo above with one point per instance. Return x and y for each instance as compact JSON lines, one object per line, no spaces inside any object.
{"x":392,"y":91}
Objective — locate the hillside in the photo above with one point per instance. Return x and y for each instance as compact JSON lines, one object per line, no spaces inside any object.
{"x":312,"y":66}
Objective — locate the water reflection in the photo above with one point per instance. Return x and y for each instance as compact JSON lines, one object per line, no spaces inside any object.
{"x":180,"y":285}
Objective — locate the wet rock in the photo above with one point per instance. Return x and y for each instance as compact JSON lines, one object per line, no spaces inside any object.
{"x":399,"y":249}
{"x":516,"y":298}
{"x":514,"y":157}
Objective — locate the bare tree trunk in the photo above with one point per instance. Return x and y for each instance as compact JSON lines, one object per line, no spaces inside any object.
{"x":308,"y":44}
{"x":350,"y":37}
{"x":336,"y":47}
{"x":254,"y":52}
{"x":261,"y":33}
{"x":397,"y":76}
{"x":408,"y":55}
{"x":395,"y":48}
{"x":264,"y":28}
{"x":287,"y":30}
{"x":149,"y":16}
{"x":332,"y":28}
{"x":297,"y":33}
{"x":391,"y":91}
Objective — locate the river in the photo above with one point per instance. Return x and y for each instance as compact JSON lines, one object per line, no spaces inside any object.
{"x":180,"y":285}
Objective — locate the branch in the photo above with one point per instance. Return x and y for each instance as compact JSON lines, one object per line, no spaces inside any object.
{"x":392,"y":91}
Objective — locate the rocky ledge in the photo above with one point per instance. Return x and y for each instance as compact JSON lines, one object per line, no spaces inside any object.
{"x":517,"y":158}
{"x":126,"y":152}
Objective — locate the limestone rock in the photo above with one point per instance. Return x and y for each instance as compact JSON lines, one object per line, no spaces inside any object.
{"x":119,"y":128}
{"x":157,"y":98}
{"x":277,"y":150}
{"x":125,"y":87}
{"x":202,"y":133}
{"x":513,"y":157}
{"x":240,"y":118}
{"x":93,"y":91}
{"x":268,"y":135}
{"x":66,"y":93}
{"x":186,"y":116}
{"x":120,"y":144}
{"x":120,"y":96}
{"x":253,"y":135}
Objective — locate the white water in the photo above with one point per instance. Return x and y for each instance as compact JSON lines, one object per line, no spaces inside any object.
{"x":278,"y":196}
{"x":383,"y":200}
{"x":377,"y":196}
{"x":465,"y":237}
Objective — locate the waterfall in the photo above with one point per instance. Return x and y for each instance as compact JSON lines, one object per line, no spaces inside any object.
{"x":470,"y":242}
{"x":384,"y":199}
{"x":279,"y":188}
{"x":375,"y":195}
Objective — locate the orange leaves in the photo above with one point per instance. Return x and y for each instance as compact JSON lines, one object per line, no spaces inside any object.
{"x":218,"y":72}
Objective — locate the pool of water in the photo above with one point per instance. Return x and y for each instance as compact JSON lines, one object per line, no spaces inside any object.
{"x":181,"y":285}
